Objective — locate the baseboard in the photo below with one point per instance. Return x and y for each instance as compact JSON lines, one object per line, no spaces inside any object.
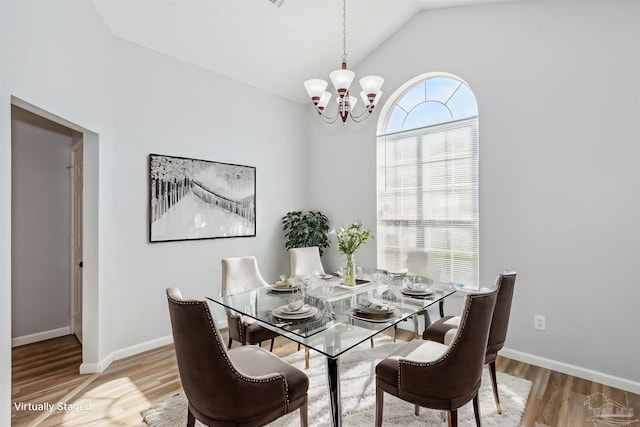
{"x":96,"y":368}
{"x":40,"y":336}
{"x":92,"y":368}
{"x":576,"y":371}
{"x":142,"y":347}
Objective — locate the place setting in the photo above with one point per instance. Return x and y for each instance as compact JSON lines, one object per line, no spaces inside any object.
{"x":415,"y":289}
{"x":372,"y":310}
{"x":295,"y":310}
{"x":285,"y":285}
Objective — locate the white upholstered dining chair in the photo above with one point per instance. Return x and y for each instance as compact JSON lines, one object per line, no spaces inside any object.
{"x":305,"y":261}
{"x":420,"y":262}
{"x":242,"y":274}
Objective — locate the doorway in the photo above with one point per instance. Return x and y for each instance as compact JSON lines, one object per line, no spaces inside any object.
{"x":81,"y":246}
{"x":41,"y":224}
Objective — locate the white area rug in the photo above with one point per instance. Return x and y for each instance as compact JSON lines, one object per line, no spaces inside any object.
{"x":357,"y":374}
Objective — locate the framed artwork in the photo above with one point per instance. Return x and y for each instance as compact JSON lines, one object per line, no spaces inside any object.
{"x":192,"y":199}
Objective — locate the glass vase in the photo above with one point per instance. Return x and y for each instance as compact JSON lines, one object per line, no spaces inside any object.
{"x":349,"y":270}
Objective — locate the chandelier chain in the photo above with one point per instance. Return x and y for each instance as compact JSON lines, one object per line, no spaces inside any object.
{"x":344,"y":30}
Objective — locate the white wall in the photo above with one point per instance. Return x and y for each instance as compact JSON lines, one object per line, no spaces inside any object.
{"x":559,"y":102}
{"x":169,"y":107}
{"x":40,"y":244}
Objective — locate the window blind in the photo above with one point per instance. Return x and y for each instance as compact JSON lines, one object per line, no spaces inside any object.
{"x":427,"y":198}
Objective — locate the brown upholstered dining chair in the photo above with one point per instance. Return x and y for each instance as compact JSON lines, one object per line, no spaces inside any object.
{"x":241,"y":274}
{"x":246,"y":386}
{"x":436,"y":376}
{"x":445,"y":329}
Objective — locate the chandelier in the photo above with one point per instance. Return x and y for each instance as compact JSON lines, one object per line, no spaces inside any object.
{"x":341,"y":79}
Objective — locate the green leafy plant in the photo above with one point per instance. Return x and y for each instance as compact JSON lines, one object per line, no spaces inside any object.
{"x":306,"y":229}
{"x":351,"y":238}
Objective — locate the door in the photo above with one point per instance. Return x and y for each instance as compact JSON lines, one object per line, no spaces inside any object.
{"x":76,"y":240}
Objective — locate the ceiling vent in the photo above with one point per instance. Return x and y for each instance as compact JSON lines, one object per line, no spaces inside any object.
{"x":277,"y":2}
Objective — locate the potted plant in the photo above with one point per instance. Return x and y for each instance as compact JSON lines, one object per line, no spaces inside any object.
{"x":306,"y":229}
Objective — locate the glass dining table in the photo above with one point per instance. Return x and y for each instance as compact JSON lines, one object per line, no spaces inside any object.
{"x":332,"y":318}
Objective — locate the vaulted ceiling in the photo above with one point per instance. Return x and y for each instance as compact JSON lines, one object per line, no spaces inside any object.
{"x":253,"y":41}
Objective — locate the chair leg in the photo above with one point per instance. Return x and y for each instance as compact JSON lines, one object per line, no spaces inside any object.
{"x":441,"y":305}
{"x":476,"y":409}
{"x":306,"y":358}
{"x":191,"y":420}
{"x":494,"y":383}
{"x":427,"y":319}
{"x":230,"y":342}
{"x":395,"y":331}
{"x":416,"y":410}
{"x":371,"y":340}
{"x":303,"y":416}
{"x":271,"y":346}
{"x":298,"y":346}
{"x":453,"y":418}
{"x":379,"y":406}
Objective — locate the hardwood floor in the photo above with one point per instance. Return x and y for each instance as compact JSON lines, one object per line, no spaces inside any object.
{"x":47,"y":373}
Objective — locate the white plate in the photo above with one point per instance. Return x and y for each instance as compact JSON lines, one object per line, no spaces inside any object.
{"x":351,"y":313}
{"x":284,"y":309}
{"x":284,"y":288}
{"x":416,"y":292}
{"x":284,"y":315}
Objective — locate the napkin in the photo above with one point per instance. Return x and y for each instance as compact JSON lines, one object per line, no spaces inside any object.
{"x":283,"y":283}
{"x":373,"y":306}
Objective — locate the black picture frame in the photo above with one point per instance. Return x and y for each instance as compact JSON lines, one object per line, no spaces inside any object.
{"x":194,"y":199}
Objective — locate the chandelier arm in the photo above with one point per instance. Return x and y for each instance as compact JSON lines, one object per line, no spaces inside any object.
{"x":366,"y":114}
{"x":329,"y":120}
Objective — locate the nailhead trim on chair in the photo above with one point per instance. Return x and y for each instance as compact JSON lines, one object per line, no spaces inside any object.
{"x":441,"y":358}
{"x":231,"y":313}
{"x":223,"y":350}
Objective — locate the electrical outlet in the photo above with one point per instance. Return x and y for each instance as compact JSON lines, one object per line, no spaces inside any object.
{"x":539,"y":322}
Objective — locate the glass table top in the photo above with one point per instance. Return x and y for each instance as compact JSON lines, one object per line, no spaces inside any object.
{"x":331,"y":317}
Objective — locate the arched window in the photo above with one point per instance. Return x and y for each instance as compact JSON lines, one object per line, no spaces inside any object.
{"x":427,"y":178}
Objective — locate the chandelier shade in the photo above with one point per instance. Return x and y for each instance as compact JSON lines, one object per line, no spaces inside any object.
{"x":315,"y":88}
{"x":342,"y":80}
